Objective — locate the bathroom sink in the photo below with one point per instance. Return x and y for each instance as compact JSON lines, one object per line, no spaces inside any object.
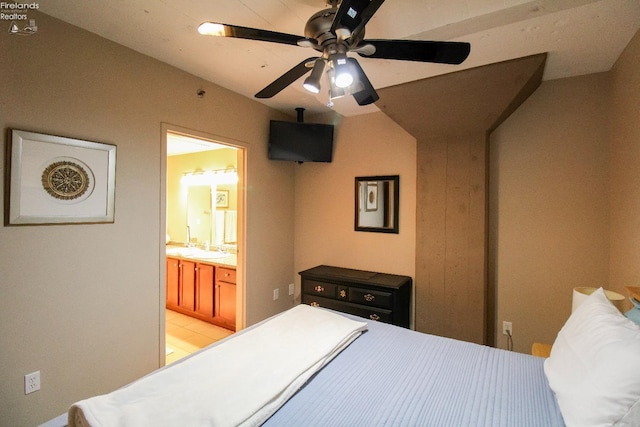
{"x":196,"y":253}
{"x":201,"y":254}
{"x":177,"y":251}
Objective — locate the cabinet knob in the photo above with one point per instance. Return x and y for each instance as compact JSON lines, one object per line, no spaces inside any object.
{"x":314,"y":304}
{"x":374,"y":317}
{"x":369,"y":298}
{"x":319,"y":288}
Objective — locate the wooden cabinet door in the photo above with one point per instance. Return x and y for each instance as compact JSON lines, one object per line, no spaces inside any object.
{"x":226,"y":303}
{"x":173,"y":278}
{"x":188,"y":285}
{"x":204,"y":290}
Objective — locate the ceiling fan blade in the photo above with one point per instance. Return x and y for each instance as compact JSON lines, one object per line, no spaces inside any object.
{"x":417,"y":50}
{"x":286,"y":79}
{"x":366,"y":94}
{"x":224,"y":30}
{"x":354,"y":15}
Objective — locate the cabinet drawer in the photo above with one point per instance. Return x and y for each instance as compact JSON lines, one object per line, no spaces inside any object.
{"x":371,"y":313}
{"x":227,"y":275}
{"x":371,"y":297}
{"x":319,"y":288}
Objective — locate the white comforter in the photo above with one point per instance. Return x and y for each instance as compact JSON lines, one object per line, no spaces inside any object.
{"x":241,"y":381}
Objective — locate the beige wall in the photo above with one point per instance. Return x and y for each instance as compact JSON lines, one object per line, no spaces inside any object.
{"x":365,"y":145}
{"x":549,"y":206}
{"x":81,"y":303}
{"x":565,"y":197}
{"x":625,"y":164}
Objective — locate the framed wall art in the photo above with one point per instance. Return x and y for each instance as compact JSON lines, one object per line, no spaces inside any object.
{"x":58,"y":180}
{"x":372,"y":196}
{"x":222,"y":199}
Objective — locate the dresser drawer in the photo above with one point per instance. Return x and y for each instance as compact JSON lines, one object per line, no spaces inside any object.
{"x":378,"y":296}
{"x":227,"y":275}
{"x":371,"y":297}
{"x":371,"y":313}
{"x":313,"y":287}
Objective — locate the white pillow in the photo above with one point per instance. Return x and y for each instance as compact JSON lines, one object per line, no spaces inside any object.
{"x":594,"y":366}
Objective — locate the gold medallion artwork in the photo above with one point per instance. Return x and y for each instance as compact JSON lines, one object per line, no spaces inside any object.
{"x":65,"y":180}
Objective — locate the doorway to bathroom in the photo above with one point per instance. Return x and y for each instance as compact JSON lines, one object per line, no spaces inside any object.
{"x":203,"y":255}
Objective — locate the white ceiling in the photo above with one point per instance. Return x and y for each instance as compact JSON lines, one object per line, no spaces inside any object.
{"x":581,"y":37}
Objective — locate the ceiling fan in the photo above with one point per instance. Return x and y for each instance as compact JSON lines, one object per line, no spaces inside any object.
{"x":334,"y":32}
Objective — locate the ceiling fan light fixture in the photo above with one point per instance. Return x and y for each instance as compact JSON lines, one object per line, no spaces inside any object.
{"x":334,"y":33}
{"x":312,"y":83}
{"x":343,"y":77}
{"x":335,"y":92}
{"x":211,"y":29}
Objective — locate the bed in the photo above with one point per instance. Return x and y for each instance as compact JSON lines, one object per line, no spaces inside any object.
{"x":384,"y":375}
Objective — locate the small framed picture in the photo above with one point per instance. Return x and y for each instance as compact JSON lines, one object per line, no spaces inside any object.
{"x":58,"y":180}
{"x":222,"y":198}
{"x":372,"y":197}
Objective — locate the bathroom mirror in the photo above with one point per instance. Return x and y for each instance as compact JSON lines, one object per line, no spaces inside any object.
{"x":199,"y":223}
{"x":376,"y":203}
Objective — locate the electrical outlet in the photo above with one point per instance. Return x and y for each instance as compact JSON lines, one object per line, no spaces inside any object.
{"x":507,"y":328}
{"x":291,"y":289}
{"x":276,"y":294}
{"x":32,"y":382}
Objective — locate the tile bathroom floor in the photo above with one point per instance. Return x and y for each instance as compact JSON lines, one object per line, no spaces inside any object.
{"x":186,"y":335}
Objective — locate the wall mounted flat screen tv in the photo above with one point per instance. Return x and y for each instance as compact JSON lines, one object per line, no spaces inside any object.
{"x":300,"y":142}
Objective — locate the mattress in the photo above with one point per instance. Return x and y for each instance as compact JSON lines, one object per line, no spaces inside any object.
{"x":391,"y":376}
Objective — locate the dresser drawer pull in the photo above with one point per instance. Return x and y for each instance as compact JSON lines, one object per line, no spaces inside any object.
{"x":314,"y":304}
{"x":374,"y":317}
{"x":319,"y":288}
{"x":343,"y":293}
{"x":369,"y":298}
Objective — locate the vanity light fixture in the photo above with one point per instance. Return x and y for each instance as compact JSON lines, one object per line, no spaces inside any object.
{"x":211,"y":177}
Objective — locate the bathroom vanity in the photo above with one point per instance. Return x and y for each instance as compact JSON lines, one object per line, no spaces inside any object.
{"x":202,"y":284}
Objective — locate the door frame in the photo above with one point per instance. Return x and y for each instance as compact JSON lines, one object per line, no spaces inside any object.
{"x":242,"y":147}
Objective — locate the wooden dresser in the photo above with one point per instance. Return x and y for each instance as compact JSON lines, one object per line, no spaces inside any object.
{"x":368,"y":294}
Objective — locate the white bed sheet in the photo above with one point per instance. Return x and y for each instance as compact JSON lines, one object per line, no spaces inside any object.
{"x":392,"y":376}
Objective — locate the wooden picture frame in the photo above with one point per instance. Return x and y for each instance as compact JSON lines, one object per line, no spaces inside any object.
{"x":377,"y":204}
{"x":371,"y":197}
{"x":58,"y":180}
{"x":222,"y":198}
